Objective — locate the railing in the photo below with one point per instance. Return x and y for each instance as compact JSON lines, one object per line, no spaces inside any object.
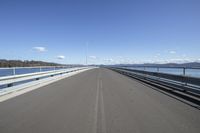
{"x":179,"y":81}
{"x":185,"y":71}
{"x":25,"y":70}
{"x":8,"y":81}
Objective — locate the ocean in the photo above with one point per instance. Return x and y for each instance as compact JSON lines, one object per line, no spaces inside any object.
{"x":177,"y":71}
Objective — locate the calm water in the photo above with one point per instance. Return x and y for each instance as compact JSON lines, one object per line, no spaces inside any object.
{"x":177,"y":71}
{"x":9,"y":72}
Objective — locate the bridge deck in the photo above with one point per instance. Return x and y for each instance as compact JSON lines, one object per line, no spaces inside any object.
{"x":97,"y":101}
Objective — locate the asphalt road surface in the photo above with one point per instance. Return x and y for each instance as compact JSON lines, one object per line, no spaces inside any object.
{"x":97,"y":101}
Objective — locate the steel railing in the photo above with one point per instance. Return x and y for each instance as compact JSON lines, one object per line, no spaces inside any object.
{"x":181,"y":82}
{"x":9,"y":81}
{"x":185,"y":71}
{"x":24,"y":70}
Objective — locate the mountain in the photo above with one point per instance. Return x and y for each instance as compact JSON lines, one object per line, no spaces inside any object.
{"x":26,"y":63}
{"x":191,"y":64}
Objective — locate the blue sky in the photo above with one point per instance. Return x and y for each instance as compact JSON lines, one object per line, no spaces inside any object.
{"x":116,"y":31}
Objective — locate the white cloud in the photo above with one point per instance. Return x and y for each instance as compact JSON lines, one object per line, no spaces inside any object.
{"x":180,"y":60}
{"x":163,"y":61}
{"x":184,"y":55}
{"x":157,"y":55}
{"x":60,"y":57}
{"x":175,"y":60}
{"x":40,"y":49}
{"x":109,"y":60}
{"x":198,"y":60}
{"x":93,"y":57}
{"x":172,"y":52}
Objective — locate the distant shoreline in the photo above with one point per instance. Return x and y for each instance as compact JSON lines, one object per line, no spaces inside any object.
{"x":189,"y":64}
{"x":26,"y":63}
{"x":32,"y":63}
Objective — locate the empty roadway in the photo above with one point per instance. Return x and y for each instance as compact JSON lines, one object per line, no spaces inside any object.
{"x":97,"y":101}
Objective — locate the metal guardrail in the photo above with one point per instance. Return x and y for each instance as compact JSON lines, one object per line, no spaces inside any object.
{"x":24,"y":70}
{"x":179,"y":78}
{"x":185,"y":83}
{"x":10,"y":80}
{"x":186,"y":71}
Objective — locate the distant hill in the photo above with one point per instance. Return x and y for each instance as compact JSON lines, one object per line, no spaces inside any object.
{"x":191,"y":64}
{"x":26,"y":63}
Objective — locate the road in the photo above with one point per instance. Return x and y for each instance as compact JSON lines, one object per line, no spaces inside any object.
{"x":97,"y":101}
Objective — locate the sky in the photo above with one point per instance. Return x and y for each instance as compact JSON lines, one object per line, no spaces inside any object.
{"x":107,"y":31}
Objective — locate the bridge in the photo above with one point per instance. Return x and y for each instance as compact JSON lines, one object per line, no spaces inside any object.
{"x":100,"y":100}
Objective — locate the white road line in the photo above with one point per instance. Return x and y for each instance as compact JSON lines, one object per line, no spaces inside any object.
{"x":99,"y":114}
{"x":96,"y":107}
{"x":103,"y":120}
{"x":101,"y":84}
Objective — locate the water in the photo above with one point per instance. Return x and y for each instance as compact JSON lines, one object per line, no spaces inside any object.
{"x":10,"y":71}
{"x":176,"y":71}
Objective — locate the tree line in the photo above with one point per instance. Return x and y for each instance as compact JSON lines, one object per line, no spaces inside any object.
{"x":26,"y":63}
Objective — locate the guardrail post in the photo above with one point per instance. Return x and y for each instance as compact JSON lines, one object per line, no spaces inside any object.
{"x":184,"y":74}
{"x":10,"y":85}
{"x":158,"y":69}
{"x":14,"y":71}
{"x":184,"y":71}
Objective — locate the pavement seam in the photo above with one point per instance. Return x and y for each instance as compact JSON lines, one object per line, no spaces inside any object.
{"x":96,"y":107}
{"x":103,"y":120}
